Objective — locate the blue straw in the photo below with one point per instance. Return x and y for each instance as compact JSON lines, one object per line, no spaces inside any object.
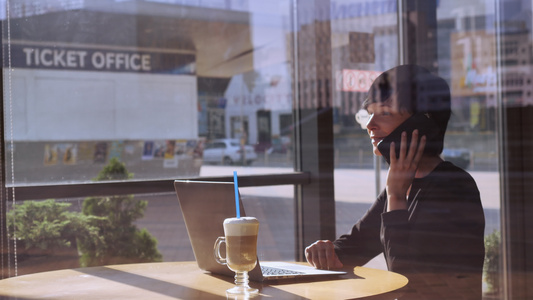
{"x":236,"y":194}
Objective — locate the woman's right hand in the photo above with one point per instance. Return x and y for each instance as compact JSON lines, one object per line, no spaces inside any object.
{"x":321,"y":255}
{"x":402,"y":170}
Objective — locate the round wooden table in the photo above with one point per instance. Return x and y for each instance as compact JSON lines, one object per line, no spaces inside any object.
{"x":184,"y":280}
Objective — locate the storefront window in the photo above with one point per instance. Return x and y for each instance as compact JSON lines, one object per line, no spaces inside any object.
{"x":194,"y":89}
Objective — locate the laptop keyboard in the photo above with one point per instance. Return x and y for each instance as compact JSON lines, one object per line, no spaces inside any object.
{"x":277,"y":271}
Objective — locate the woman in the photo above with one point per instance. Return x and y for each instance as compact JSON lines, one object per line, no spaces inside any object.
{"x":428,"y":221}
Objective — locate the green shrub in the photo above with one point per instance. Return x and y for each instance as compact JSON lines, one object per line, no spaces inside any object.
{"x":121,"y":240}
{"x":103,"y":233}
{"x":491,"y":268}
{"x":48,"y":225}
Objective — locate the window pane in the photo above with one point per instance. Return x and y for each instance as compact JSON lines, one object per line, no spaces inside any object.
{"x":468,"y":62}
{"x":148,"y":83}
{"x":171,"y":89}
{"x":366,"y":43}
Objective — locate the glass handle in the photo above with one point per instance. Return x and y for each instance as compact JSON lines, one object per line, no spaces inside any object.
{"x":221,"y":260}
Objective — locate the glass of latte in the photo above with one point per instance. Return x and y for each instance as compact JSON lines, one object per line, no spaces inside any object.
{"x":240,"y":237}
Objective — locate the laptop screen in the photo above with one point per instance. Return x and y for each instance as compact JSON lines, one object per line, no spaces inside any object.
{"x":205,"y":205}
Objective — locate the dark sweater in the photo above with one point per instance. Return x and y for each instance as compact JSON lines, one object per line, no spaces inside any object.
{"x":439,"y":236}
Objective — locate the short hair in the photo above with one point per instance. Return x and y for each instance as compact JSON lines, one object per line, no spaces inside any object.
{"x":417,"y":91}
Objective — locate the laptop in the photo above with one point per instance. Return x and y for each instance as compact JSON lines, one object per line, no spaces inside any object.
{"x":204,"y":206}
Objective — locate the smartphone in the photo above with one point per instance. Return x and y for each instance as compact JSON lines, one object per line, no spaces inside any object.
{"x":425,"y":125}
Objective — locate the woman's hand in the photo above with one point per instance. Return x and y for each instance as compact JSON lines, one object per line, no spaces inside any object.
{"x":402,"y":170}
{"x":321,"y":255}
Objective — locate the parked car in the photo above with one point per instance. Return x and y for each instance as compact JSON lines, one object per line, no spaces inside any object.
{"x":458,"y":156}
{"x":228,"y":152}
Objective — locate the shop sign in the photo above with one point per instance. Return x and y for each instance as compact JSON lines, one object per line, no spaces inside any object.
{"x":358,"y":80}
{"x":473,"y":63}
{"x":480,"y":82}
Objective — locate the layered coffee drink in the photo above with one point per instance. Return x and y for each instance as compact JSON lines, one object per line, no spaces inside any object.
{"x":241,"y":243}
{"x":240,"y":237}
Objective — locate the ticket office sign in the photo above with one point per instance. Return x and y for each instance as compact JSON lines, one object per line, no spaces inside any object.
{"x":105,"y":60}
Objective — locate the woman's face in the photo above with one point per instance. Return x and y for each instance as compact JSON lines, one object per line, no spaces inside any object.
{"x":382,"y":120}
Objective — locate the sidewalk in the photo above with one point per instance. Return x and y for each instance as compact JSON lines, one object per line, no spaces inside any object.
{"x":351,"y":185}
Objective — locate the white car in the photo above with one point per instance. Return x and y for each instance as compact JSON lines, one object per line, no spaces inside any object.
{"x":228,"y":152}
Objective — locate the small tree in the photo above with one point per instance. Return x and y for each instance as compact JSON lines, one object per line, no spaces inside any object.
{"x":122,"y":241}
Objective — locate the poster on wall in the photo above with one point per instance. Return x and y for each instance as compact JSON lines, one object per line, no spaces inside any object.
{"x":100,"y":152}
{"x":148,"y":150}
{"x":159,"y":149}
{"x":70,"y":153}
{"x":117,"y":147}
{"x":50,"y":155}
{"x":170,"y":158}
{"x":85,"y":151}
{"x":169,"y":149}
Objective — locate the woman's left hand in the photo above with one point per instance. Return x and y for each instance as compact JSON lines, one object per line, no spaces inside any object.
{"x":402,"y":170}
